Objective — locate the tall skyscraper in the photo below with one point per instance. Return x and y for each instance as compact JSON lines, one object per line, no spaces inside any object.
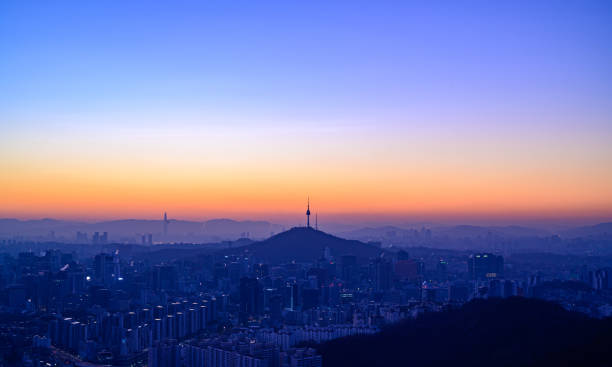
{"x":382,"y":274}
{"x":165,"y":224}
{"x":106,"y":268}
{"x":250,"y":298}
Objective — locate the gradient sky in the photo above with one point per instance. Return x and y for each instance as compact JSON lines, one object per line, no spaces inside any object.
{"x":115,"y":109}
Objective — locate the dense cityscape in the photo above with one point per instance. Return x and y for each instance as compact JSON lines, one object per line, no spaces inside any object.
{"x":188,"y":305}
{"x":312,"y":183}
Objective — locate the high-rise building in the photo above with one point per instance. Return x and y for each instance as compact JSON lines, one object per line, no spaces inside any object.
{"x":442,"y":269}
{"x":402,"y":255}
{"x":276,"y":309}
{"x":260,"y":270}
{"x":81,"y":237}
{"x":407,"y":269}
{"x":147,"y":239}
{"x":251,"y":298}
{"x":166,"y":224}
{"x":165,"y":354}
{"x":105,"y":268}
{"x":302,"y":357}
{"x":349,"y":268}
{"x":165,"y":277}
{"x":382,"y":274}
{"x":310,"y":298}
{"x":291,"y":295}
{"x":459,"y":292}
{"x":327,"y":255}
{"x":485,"y":266}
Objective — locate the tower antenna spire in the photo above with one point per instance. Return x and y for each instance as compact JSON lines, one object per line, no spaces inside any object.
{"x":308,"y":213}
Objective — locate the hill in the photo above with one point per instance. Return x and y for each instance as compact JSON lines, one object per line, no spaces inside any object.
{"x":306,"y":244}
{"x":496,"y":332}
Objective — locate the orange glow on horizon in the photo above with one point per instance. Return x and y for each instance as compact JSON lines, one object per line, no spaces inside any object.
{"x":365,"y":172}
{"x":272,"y":194}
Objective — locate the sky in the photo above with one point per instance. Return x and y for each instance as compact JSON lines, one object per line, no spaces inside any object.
{"x":243,"y":109}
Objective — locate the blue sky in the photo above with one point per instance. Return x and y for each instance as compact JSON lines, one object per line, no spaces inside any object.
{"x":341,"y":59}
{"x":514,"y":84}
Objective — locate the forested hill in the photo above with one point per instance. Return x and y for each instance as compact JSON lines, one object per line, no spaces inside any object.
{"x":511,"y":332}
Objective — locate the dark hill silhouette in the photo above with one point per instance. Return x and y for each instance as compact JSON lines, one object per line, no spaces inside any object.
{"x":496,"y":332}
{"x":306,"y":244}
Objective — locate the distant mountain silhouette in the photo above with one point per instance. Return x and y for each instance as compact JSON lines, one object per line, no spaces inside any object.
{"x":215,"y":229}
{"x":480,"y":231}
{"x":229,"y":227}
{"x":16,"y":227}
{"x":459,"y":231}
{"x":495,"y":332}
{"x":595,"y":230}
{"x":376,"y":232}
{"x":130,"y":226}
{"x":306,"y":244}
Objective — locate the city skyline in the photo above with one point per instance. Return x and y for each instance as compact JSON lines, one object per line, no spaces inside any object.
{"x":320,"y":183}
